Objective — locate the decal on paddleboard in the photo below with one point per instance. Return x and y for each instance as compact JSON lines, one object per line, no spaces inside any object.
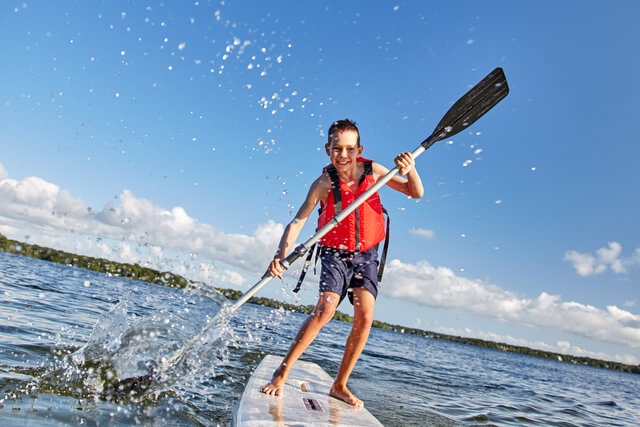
{"x":312,"y":404}
{"x":304,"y":386}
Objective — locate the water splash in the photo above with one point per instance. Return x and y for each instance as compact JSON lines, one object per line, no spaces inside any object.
{"x":132,"y":356}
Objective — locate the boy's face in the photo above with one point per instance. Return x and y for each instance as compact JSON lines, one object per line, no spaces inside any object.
{"x":344,"y":150}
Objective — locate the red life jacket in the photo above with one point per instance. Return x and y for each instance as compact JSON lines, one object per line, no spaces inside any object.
{"x":364,"y":227}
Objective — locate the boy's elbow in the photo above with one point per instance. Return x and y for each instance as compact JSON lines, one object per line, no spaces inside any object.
{"x":415,"y":193}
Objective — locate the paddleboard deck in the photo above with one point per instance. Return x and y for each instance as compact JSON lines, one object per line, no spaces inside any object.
{"x":305,"y":400}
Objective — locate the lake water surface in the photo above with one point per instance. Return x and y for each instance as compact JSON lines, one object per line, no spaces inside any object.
{"x":66,"y":336}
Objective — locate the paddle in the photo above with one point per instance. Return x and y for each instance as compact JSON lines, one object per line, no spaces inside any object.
{"x":473,"y":105}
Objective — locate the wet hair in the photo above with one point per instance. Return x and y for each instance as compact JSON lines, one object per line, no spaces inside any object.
{"x":341,"y":126}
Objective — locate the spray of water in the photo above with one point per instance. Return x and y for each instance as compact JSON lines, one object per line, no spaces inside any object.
{"x":133,"y":357}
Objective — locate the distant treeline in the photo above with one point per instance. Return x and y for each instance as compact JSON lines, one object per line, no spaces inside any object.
{"x":166,"y":278}
{"x":101,"y":265}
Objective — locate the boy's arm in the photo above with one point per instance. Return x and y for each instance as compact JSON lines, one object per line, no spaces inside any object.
{"x":292,"y":230}
{"x":411,"y":185}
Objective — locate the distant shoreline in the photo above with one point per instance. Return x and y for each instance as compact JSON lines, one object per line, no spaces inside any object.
{"x":166,"y":278}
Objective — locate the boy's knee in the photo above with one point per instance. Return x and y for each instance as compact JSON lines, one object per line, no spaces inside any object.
{"x":324,"y":311}
{"x":324,"y":314}
{"x":364,"y":317}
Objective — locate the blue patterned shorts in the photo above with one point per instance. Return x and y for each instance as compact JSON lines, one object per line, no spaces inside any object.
{"x":343,"y":270}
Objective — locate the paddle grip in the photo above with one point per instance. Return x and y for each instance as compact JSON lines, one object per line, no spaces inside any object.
{"x":299,"y":251}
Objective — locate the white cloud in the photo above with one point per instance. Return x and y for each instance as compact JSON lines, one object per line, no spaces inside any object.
{"x":440,"y":287}
{"x":210,"y":274}
{"x":604,"y":258}
{"x":7,"y":229}
{"x":3,"y":173}
{"x":421,"y":232}
{"x":35,"y":205}
{"x":584,"y":264}
{"x":126,"y":254}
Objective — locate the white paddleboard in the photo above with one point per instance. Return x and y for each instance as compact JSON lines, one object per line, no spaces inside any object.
{"x":305,"y":400}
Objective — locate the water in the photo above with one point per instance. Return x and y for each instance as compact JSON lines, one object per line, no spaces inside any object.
{"x":66,"y":334}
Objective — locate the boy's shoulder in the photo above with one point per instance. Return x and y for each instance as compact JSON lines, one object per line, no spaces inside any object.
{"x":378,"y":170}
{"x":323,"y":182}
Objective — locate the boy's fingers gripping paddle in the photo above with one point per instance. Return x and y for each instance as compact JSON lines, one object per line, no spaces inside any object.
{"x":473,"y":105}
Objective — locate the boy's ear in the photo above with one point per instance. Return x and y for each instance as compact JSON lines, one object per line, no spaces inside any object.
{"x":360,"y":148}
{"x":326,"y":148}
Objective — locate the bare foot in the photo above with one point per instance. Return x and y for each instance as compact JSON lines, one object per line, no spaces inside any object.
{"x":343,"y":393}
{"x":274,"y":388}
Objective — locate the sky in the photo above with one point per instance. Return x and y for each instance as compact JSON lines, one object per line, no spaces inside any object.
{"x":184,"y":136}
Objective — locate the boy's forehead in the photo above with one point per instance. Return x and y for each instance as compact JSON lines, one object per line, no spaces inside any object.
{"x":345,"y":137}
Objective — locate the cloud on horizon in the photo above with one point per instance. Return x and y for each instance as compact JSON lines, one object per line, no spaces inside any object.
{"x":425,"y":284}
{"x":136,"y":228}
{"x":35,"y":204}
{"x":562,"y":347}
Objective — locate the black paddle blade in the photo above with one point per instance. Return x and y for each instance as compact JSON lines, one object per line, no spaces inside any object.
{"x":473,"y":105}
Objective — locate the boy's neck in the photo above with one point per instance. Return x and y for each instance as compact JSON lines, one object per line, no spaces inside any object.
{"x":351,"y":175}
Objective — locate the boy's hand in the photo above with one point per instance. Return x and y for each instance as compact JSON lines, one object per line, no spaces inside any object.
{"x":275,"y":268}
{"x":405,"y":162}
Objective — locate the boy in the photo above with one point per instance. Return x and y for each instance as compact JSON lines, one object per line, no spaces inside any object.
{"x":348,"y":252}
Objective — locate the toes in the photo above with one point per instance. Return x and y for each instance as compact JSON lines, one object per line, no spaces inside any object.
{"x":270,"y":390}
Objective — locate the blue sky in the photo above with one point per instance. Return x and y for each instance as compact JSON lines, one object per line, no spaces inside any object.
{"x":184,"y":135}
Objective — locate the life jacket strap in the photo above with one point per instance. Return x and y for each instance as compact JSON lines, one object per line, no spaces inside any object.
{"x":385,"y":247}
{"x":305,"y":267}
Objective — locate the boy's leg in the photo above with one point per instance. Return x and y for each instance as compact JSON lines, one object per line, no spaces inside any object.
{"x":324,"y":311}
{"x":363,"y":304}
